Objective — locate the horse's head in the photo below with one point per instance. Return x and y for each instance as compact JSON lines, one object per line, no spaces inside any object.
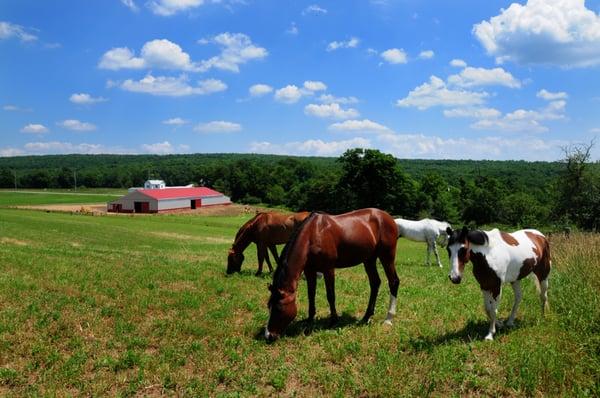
{"x":459,"y":249}
{"x":282,"y":311}
{"x":234,"y":261}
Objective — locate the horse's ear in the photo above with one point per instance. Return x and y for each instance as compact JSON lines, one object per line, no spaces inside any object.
{"x":449,"y":231}
{"x":463,"y":233}
{"x":477,"y":237}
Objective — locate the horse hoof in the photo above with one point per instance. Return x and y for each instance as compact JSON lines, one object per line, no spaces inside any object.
{"x":333,"y":321}
{"x":489,"y":337}
{"x":387,"y":322}
{"x":510,"y":324}
{"x":258,"y":274}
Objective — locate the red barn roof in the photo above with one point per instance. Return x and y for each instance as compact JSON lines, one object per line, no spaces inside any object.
{"x":176,"y":193}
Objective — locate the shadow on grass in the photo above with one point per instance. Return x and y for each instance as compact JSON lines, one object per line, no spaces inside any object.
{"x":473,"y":331}
{"x":249,"y":272}
{"x":303,"y":327}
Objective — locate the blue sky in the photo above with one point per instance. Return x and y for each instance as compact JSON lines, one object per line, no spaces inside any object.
{"x":437,"y":79}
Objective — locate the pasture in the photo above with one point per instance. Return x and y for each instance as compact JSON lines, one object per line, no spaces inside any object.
{"x":101,"y":305}
{"x":42,"y":197}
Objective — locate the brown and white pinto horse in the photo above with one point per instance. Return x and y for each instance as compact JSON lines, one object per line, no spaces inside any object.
{"x":323,"y":243}
{"x":266,"y":230}
{"x":500,"y":257}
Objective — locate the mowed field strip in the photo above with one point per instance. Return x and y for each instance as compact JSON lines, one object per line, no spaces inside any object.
{"x":100,"y":305}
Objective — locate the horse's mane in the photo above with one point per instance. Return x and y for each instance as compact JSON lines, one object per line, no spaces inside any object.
{"x":281,"y":269}
{"x":246,"y":227}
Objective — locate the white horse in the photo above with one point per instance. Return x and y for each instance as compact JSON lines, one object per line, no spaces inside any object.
{"x":500,"y":257}
{"x":425,"y":230}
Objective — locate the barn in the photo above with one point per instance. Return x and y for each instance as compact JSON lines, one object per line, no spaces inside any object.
{"x":165,"y":199}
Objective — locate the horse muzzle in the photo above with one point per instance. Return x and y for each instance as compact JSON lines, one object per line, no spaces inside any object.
{"x":455,"y":279}
{"x":270,"y":337}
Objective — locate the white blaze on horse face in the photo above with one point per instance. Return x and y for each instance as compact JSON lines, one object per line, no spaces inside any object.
{"x":455,"y":272}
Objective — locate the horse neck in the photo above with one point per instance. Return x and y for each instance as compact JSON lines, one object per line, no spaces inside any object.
{"x":243,"y":240}
{"x":291,"y":268}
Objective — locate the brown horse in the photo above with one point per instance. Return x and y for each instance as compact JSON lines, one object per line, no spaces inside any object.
{"x":265,"y":230}
{"x":323,"y":243}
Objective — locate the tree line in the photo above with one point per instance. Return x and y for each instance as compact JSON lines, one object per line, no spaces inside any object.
{"x":514,"y":193}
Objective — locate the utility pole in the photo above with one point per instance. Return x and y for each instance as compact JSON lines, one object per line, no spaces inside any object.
{"x":75,"y":178}
{"x":15,"y":173}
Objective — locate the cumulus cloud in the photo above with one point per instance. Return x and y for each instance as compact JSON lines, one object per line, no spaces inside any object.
{"x":289,"y":94}
{"x":258,"y":90}
{"x":332,"y":110}
{"x":364,"y":125}
{"x":458,"y":63}
{"x":427,"y":54}
{"x":473,"y":77}
{"x":293,"y":29}
{"x":436,"y":93}
{"x":34,"y":128}
{"x":15,"y":108}
{"x":335,"y":45}
{"x":549,"y":96}
{"x":9,"y":30}
{"x":310,"y":147}
{"x":159,"y":148}
{"x":172,"y":86}
{"x":170,"y":7}
{"x":552,"y":32}
{"x":176,"y":121}
{"x":130,"y":4}
{"x":314,"y":9}
{"x":522,"y":120}
{"x":85,"y":99}
{"x":9,"y":152}
{"x":330,"y":99}
{"x":474,"y":113}
{"x":76,"y":125}
{"x":394,"y":56}
{"x":57,"y":147}
{"x":218,"y":126}
{"x":311,"y":85}
{"x":236,"y":50}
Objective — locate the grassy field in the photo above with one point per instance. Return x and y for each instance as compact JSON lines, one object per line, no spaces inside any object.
{"x":100,"y":305}
{"x":40,"y":197}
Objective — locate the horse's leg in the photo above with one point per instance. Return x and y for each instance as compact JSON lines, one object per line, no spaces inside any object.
{"x":428,"y":252}
{"x":311,"y":283}
{"x":273,"y":249}
{"x":544,"y":294}
{"x":393,"y":283}
{"x":260,"y":253}
{"x":437,"y":256}
{"x":491,"y":306}
{"x":374,"y":282}
{"x":330,"y":287}
{"x":267,"y":258}
{"x":516,"y":285}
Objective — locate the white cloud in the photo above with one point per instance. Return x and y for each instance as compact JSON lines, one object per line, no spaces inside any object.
{"x":594,"y":130}
{"x":497,"y":148}
{"x":352,"y":43}
{"x":159,"y":148}
{"x":236,"y":49}
{"x":173,"y":86}
{"x":521,"y":120}
{"x":289,"y":94}
{"x":35,"y":128}
{"x":428,"y":54}
{"x":76,"y":125}
{"x":218,"y":126}
{"x":57,"y":147}
{"x":364,"y":125}
{"x":170,"y":7}
{"x":9,"y":30}
{"x":435,"y":93}
{"x":258,"y":90}
{"x":458,"y":63}
{"x":394,"y":56}
{"x":551,"y":32}
{"x":15,"y":108}
{"x":333,"y":110}
{"x":314,"y":9}
{"x":176,"y":121}
{"x":130,"y":4}
{"x":549,"y":96}
{"x":9,"y":152}
{"x":120,"y":58}
{"x":473,"y":77}
{"x":329,"y":99}
{"x":311,"y":85}
{"x":310,"y":147}
{"x":474,"y":113}
{"x":85,"y":99}
{"x":293,"y":29}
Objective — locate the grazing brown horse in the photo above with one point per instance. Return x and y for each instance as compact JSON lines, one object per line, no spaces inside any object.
{"x":323,"y":243}
{"x":265,"y":230}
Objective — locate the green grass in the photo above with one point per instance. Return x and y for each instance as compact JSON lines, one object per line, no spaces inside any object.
{"x":42,"y":197}
{"x":101,"y":305}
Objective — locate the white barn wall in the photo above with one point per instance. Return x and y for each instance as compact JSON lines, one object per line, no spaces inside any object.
{"x":215,"y":200}
{"x":167,"y":204}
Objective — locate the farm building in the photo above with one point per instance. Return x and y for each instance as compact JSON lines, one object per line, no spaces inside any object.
{"x":164,"y":199}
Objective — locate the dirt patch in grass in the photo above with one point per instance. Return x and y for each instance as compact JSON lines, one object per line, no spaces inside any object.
{"x":12,"y":241}
{"x":205,"y":239}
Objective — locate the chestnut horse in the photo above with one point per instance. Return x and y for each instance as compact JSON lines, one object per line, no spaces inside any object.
{"x":265,"y":230}
{"x":500,"y":257}
{"x":321,"y":244}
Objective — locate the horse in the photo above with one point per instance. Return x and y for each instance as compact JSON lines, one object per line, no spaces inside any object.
{"x":323,"y":243}
{"x":500,"y":257}
{"x":425,"y":230}
{"x":266,"y":230}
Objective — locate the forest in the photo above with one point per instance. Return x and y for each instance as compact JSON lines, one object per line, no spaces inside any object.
{"x":551,"y":195}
